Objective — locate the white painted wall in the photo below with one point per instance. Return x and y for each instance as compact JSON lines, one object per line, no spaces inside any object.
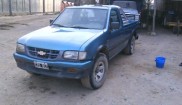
{"x":22,"y":6}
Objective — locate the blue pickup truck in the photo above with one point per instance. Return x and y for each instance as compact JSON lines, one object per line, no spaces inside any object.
{"x":78,"y":44}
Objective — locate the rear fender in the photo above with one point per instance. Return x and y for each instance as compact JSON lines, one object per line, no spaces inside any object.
{"x":134,"y":33}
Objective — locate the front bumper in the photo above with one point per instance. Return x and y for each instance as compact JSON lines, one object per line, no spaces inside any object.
{"x":58,"y":69}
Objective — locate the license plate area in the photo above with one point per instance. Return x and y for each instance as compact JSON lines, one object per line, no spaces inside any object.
{"x":41,"y":65}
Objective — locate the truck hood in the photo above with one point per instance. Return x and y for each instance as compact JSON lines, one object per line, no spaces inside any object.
{"x":57,"y":38}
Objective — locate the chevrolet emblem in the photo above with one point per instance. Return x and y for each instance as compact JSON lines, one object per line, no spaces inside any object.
{"x":41,"y":53}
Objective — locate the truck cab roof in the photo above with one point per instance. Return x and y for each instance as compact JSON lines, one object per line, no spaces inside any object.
{"x":96,"y":6}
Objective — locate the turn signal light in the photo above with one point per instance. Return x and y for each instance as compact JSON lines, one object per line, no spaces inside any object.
{"x":71,"y":70}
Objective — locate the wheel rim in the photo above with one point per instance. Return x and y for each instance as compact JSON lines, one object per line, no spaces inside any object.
{"x":132,"y":45}
{"x":99,"y":72}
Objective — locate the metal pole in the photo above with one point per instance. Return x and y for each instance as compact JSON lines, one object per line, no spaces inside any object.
{"x":178,"y":27}
{"x":53,"y":6}
{"x":108,"y":2}
{"x":30,"y":7}
{"x":10,"y":9}
{"x":16,"y":6}
{"x":2,"y":5}
{"x":43,"y":6}
{"x":22,"y":5}
{"x":154,"y":16}
{"x":79,"y":2}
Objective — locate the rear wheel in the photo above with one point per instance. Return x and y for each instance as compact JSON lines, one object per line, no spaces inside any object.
{"x":97,"y":76}
{"x":130,"y":48}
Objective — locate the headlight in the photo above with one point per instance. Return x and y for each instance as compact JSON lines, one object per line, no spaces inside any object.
{"x":74,"y":55}
{"x":20,"y":48}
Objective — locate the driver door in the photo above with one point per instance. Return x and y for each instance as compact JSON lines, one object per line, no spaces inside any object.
{"x":116,"y":35}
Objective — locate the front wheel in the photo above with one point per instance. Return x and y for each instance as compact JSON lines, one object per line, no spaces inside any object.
{"x":98,"y":75}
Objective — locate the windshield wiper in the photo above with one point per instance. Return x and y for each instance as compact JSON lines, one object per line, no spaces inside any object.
{"x":59,"y":25}
{"x":79,"y":27}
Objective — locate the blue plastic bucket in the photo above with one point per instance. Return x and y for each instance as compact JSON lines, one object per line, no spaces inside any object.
{"x":160,"y":62}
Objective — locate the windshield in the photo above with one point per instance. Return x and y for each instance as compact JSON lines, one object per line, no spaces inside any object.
{"x":82,"y":18}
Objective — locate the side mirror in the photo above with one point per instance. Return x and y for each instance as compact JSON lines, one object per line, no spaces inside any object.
{"x":115,"y":25}
{"x":50,"y":21}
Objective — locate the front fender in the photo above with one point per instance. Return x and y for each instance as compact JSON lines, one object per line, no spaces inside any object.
{"x":94,"y":45}
{"x":103,"y":49}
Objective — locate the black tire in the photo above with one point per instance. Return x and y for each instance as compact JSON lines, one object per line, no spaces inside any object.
{"x":130,"y":48}
{"x":97,"y":76}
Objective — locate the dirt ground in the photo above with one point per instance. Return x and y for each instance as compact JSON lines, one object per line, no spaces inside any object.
{"x":132,"y":80}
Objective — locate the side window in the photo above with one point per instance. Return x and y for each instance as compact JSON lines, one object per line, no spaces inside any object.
{"x":114,"y":16}
{"x":122,"y":15}
{"x":114,"y":20}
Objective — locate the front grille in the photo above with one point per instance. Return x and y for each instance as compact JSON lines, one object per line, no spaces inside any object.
{"x":43,"y":53}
